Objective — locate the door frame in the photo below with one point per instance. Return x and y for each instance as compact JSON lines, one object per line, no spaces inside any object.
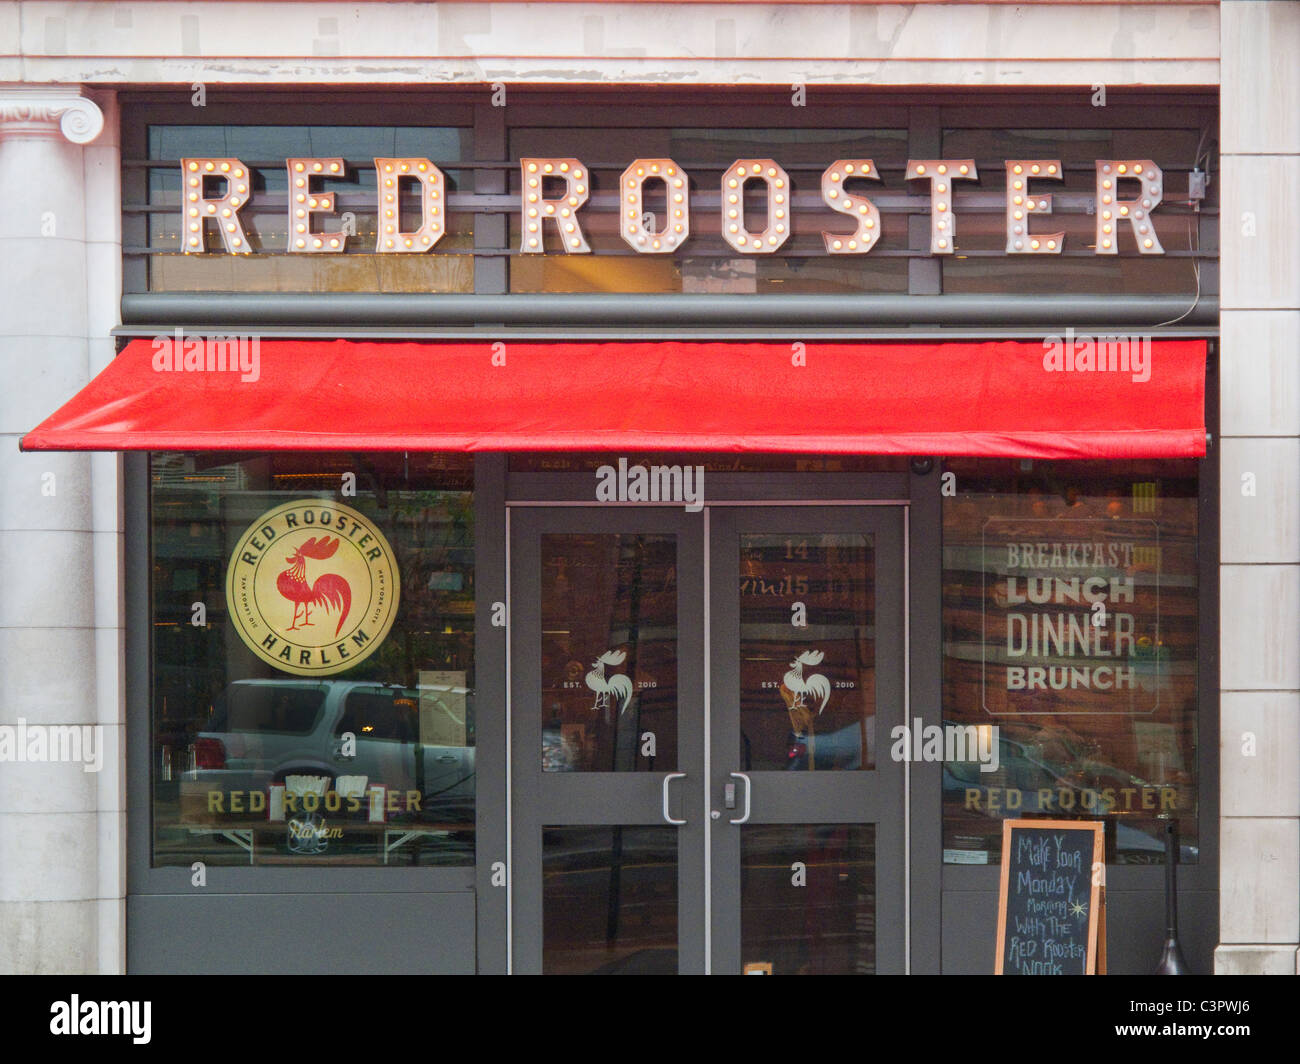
{"x":910,"y":781}
{"x":611,"y":799}
{"x":883,"y":789}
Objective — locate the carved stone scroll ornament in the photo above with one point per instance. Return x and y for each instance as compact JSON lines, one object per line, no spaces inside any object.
{"x":48,"y":111}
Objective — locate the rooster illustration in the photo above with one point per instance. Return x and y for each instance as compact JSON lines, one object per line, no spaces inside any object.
{"x":816,"y":685}
{"x":620,"y":686}
{"x":330,"y":591}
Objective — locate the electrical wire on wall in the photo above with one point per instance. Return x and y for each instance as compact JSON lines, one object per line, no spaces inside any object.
{"x":1197,"y":180}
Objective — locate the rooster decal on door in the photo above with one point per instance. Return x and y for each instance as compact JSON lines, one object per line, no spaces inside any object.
{"x":801,"y":686}
{"x":802,"y":694}
{"x":617,"y":687}
{"x":330,"y":591}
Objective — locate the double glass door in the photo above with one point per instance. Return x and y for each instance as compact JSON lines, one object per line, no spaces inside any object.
{"x":701,"y":706}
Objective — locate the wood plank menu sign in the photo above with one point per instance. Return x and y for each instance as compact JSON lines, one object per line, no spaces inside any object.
{"x":1051,"y":899}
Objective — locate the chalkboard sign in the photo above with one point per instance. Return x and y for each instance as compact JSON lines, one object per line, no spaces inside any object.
{"x":1051,"y":901}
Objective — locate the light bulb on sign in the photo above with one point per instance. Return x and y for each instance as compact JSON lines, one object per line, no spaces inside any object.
{"x":1018,"y":206}
{"x":389,"y":174}
{"x":941,"y":173}
{"x":777,"y":182}
{"x":237,"y":182}
{"x":1150,"y":179}
{"x":576,"y":179}
{"x":301,"y":174}
{"x":837,"y":196}
{"x":677,"y":194}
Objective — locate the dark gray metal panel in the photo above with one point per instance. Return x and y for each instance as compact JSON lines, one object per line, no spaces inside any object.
{"x":926,"y":659}
{"x":491,"y":231}
{"x":523,"y":648}
{"x":723,"y":487}
{"x":298,"y":879}
{"x":133,"y":141}
{"x":346,"y":309}
{"x":1136,"y":930}
{"x":924,"y":141}
{"x":924,"y":133}
{"x":139,"y":830}
{"x":581,"y":798}
{"x":356,"y":934}
{"x":490,"y":651}
{"x":1135,"y":923}
{"x":725,"y":745}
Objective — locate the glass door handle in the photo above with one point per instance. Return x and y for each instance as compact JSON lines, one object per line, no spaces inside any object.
{"x":667,"y":780}
{"x":748,"y":787}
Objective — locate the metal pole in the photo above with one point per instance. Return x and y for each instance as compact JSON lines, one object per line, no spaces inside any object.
{"x":1171,"y":960}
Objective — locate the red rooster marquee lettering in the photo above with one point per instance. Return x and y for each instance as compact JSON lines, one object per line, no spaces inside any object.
{"x":554,"y":190}
{"x":341,"y":571}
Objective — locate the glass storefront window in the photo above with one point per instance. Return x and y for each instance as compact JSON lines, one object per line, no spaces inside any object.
{"x":609,"y":900}
{"x":808,"y":692}
{"x":981,"y":264}
{"x":828,"y":928}
{"x":707,"y":263}
{"x":270,"y":267}
{"x":1070,"y":616}
{"x":609,"y":652}
{"x":313,"y":659}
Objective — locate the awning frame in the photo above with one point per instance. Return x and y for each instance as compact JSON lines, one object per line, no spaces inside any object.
{"x":1001,"y":398}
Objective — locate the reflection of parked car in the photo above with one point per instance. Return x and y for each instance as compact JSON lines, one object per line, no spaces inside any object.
{"x":263,"y":731}
{"x":1041,"y":762}
{"x":1028,"y":767}
{"x":841,"y":749}
{"x":558,"y":753}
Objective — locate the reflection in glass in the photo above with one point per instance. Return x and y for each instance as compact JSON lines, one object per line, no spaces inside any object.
{"x":1070,"y":623}
{"x":609,"y":652}
{"x":707,"y":263}
{"x":807,"y":690}
{"x":609,"y":900}
{"x":266,"y":215}
{"x":981,"y":266}
{"x":824,"y":924}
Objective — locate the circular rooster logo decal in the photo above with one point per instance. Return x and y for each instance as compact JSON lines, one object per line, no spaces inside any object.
{"x":312,"y":587}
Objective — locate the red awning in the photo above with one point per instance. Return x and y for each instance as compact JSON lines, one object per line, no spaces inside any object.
{"x":1009,"y":398}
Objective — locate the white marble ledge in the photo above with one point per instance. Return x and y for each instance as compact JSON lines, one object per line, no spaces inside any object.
{"x":849,"y":72}
{"x":952,"y":43}
{"x":1257,"y":960}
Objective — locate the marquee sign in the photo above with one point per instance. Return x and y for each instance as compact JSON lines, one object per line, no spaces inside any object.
{"x":312,"y":587}
{"x":553,"y":192}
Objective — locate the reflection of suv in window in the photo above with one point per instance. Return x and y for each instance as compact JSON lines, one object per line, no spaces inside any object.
{"x":1029,"y":764}
{"x":407,"y":739}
